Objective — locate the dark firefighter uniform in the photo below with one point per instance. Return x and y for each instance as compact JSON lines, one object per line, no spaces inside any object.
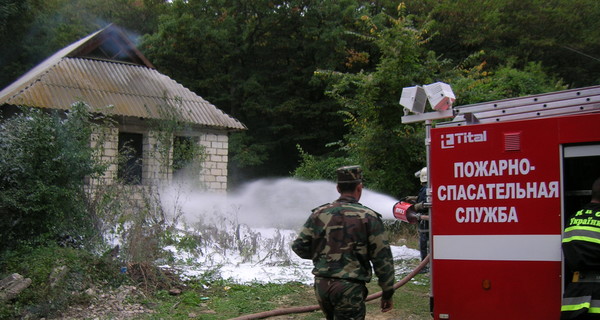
{"x":423,"y":225}
{"x":581,"y":248}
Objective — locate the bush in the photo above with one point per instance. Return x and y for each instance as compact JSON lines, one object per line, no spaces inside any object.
{"x":44,"y":159}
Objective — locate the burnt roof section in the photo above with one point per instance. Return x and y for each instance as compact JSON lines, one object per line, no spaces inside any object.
{"x":111,"y":44}
{"x":106,"y":71}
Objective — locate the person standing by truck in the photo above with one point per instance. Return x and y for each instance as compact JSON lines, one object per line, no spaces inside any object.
{"x":423,"y":219}
{"x":581,"y":248}
{"x":343,"y":239}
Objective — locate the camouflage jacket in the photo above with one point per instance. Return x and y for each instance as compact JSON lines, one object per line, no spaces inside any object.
{"x":343,"y":238}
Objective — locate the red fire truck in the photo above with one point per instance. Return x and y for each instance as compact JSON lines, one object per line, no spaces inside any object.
{"x":503,"y":178}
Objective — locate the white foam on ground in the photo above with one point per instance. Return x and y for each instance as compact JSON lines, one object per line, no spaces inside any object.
{"x":275,"y":208}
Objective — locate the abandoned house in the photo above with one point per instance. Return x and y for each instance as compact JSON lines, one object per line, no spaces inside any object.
{"x":107,"y":72}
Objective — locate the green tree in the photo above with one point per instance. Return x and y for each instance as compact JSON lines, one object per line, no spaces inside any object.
{"x":36,"y":29}
{"x":561,"y":34}
{"x":476,"y":84}
{"x":15,"y":18}
{"x":44,"y":160}
{"x":391,"y":151}
{"x":255,"y":60}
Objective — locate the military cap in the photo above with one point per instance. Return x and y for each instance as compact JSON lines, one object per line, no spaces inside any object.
{"x":349,"y":174}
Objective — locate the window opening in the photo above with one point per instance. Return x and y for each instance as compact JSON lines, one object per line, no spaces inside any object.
{"x":185,"y":157}
{"x":130,"y":157}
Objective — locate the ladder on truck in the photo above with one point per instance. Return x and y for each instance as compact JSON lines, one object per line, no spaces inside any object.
{"x":559,"y":103}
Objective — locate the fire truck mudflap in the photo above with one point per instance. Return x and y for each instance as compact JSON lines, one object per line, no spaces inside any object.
{"x":496,"y":216}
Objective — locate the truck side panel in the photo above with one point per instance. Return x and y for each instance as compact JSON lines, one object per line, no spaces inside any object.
{"x":496,"y":219}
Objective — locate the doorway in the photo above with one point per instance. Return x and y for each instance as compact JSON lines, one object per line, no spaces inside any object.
{"x":581,"y":167}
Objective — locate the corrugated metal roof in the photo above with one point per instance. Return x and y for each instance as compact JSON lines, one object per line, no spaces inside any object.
{"x":133,"y":90}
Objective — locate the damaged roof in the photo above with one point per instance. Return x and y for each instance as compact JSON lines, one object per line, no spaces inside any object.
{"x":106,"y":71}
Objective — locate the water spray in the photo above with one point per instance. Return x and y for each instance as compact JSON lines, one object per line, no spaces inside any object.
{"x":271,"y":203}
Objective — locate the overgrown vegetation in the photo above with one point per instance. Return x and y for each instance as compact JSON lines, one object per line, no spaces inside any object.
{"x":59,"y":277}
{"x":64,"y":226}
{"x":389,"y":150}
{"x":44,"y":159}
{"x":124,"y":227}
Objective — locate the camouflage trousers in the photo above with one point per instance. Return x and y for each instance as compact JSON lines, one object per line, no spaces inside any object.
{"x":341,"y":299}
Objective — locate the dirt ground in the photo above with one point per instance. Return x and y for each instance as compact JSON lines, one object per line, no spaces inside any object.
{"x":108,"y":305}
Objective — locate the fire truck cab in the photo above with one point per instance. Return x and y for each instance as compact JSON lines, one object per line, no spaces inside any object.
{"x":504,"y":176}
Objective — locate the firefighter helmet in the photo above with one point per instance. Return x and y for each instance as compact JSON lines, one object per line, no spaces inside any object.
{"x":423,"y":175}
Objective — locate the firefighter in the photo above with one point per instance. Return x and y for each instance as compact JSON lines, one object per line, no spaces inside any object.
{"x":343,"y":238}
{"x":581,"y":248}
{"x":423,"y":219}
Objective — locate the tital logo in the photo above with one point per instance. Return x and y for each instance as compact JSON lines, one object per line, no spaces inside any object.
{"x":452,"y":139}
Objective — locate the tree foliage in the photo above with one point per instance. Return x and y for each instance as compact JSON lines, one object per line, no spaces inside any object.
{"x":389,"y":150}
{"x":256,"y":60}
{"x":327,"y":75}
{"x":44,"y":159}
{"x":474,"y":84}
{"x":35,"y":29}
{"x":562,"y":34}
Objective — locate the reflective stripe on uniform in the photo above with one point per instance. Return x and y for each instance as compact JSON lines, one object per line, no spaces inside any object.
{"x":589,"y":234}
{"x":578,"y":303}
{"x":586,"y":239}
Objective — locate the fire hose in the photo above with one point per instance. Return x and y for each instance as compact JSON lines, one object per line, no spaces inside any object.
{"x":279,"y":312}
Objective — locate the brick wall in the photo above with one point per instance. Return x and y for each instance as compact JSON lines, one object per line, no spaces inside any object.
{"x":108,"y":137}
{"x":157,"y":160}
{"x":213,"y":170}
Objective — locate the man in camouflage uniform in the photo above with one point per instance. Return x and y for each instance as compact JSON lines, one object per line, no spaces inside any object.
{"x":343,"y":238}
